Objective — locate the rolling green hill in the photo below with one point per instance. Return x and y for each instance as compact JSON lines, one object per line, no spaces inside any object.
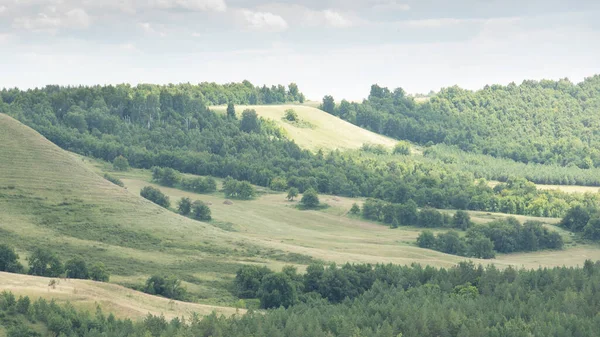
{"x":317,"y":129}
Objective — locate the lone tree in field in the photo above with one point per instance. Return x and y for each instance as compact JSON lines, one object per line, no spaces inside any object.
{"x":310,"y":198}
{"x":9,"y":260}
{"x":291,"y":115}
{"x":231,"y":111}
{"x":156,"y":196}
{"x":184,"y":206}
{"x":292,"y":193}
{"x":200,"y":211}
{"x":121,"y":163}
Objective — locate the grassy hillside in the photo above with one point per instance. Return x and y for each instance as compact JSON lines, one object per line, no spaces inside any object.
{"x":320,"y":131}
{"x":120,"y":301}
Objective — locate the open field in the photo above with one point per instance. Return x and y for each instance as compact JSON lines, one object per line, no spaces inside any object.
{"x":563,"y":188}
{"x":328,"y":132}
{"x":120,"y":301}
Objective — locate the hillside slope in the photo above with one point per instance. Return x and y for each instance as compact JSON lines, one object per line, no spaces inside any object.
{"x":120,"y":301}
{"x":325,"y":131}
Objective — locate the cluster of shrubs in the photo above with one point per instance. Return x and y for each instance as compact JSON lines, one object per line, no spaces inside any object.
{"x":43,"y":262}
{"x":236,"y":189}
{"x":114,"y":180}
{"x":409,"y":215}
{"x":166,"y":286}
{"x":585,"y":220}
{"x":197,"y":209}
{"x":167,"y":176}
{"x":503,"y":236}
{"x":156,"y":196}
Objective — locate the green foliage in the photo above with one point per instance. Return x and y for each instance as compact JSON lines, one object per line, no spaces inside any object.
{"x":278,"y":184}
{"x":184,"y":206}
{"x":426,"y":239}
{"x":250,"y":121}
{"x":291,"y":115}
{"x":328,"y":105}
{"x":120,"y":163}
{"x":231,"y":111}
{"x":402,"y":148}
{"x":592,"y":229}
{"x":201,"y":211}
{"x":156,"y":196}
{"x":99,"y":273}
{"x":45,"y":263}
{"x":9,"y":260}
{"x":292,"y":193}
{"x":199,"y":185}
{"x":114,"y":180}
{"x":461,"y":220}
{"x":248,"y":280}
{"x":532,"y":115}
{"x":310,"y":198}
{"x":277,"y":289}
{"x":577,"y":218}
{"x":355,"y":209}
{"x":238,"y":189}
{"x":77,"y":268}
{"x":378,"y":149}
{"x":166,"y":176}
{"x":169,"y":287}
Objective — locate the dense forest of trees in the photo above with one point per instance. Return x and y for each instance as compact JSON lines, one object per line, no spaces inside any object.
{"x":172,"y":127}
{"x":547,"y":122}
{"x":382,"y":301}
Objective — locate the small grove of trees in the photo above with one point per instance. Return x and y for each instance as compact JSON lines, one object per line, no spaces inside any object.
{"x":120,"y":163}
{"x":236,"y":189}
{"x":310,"y":198}
{"x":169,"y":287}
{"x":503,"y":236}
{"x":584,"y":220}
{"x":198,"y":209}
{"x":409,"y":215}
{"x":43,"y":262}
{"x":156,"y":196}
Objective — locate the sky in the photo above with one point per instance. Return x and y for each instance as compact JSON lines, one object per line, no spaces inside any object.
{"x":336,"y":47}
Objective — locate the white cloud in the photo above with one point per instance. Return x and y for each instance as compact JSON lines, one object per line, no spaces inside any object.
{"x":390,"y":5}
{"x":54,"y":21}
{"x":77,"y":18}
{"x":433,"y":23}
{"x":3,"y":9}
{"x":264,"y":21}
{"x":149,"y":28}
{"x":194,"y":5}
{"x":5,"y":37}
{"x":336,"y":19}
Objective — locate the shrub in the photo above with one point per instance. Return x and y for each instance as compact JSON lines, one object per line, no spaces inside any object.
{"x":310,"y":198}
{"x":184,"y":206}
{"x":426,"y":239}
{"x":121,"y":163}
{"x":291,"y":115}
{"x":402,"y":148}
{"x":114,"y":180}
{"x":355,"y":209}
{"x":77,"y":268}
{"x":9,"y":260}
{"x":98,"y":272}
{"x":156,"y":196}
{"x":201,"y":211}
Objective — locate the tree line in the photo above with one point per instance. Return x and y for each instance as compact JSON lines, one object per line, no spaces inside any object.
{"x":546,"y":122}
{"x":43,"y":262}
{"x":485,"y":240}
{"x":384,"y":301}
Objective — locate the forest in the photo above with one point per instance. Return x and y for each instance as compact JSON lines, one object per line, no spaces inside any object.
{"x":546,"y":122}
{"x":382,"y":300}
{"x":173,"y":127}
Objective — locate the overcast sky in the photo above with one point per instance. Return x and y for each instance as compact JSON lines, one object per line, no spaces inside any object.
{"x":337,"y":47}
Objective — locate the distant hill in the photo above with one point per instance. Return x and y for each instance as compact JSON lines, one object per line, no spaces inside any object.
{"x":316,"y":129}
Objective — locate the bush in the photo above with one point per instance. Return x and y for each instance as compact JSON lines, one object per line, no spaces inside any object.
{"x":201,"y":211}
{"x":310,"y":198}
{"x":355,"y":209}
{"x":292,"y":193}
{"x":156,"y":196}
{"x":114,"y":180}
{"x":121,"y":163}
{"x":402,"y":148}
{"x":277,"y":290}
{"x":9,"y":260}
{"x":374,"y":148}
{"x":166,"y":176}
{"x":461,"y":220}
{"x":98,"y":272}
{"x":291,"y":115}
{"x":247,"y":280}
{"x":238,"y":189}
{"x":426,"y":239}
{"x":45,"y":263}
{"x":77,"y":268}
{"x":169,"y":287}
{"x":184,"y":206}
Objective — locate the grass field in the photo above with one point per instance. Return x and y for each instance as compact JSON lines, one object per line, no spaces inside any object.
{"x":328,"y":132}
{"x":563,"y":188}
{"x":120,"y":301}
{"x":51,"y":198}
